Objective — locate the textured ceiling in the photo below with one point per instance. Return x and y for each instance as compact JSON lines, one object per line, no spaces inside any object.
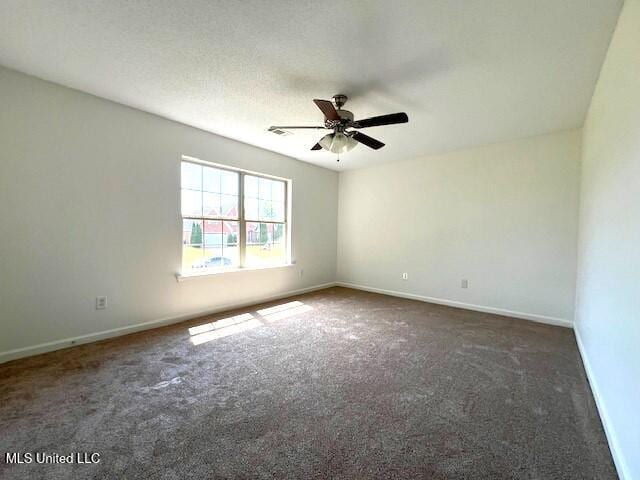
{"x":467,"y":72}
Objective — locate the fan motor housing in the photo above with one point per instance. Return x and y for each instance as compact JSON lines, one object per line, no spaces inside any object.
{"x":346,"y":118}
{"x":345,"y":115}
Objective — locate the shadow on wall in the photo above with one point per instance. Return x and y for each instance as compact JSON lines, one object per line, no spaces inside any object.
{"x":245,"y":321}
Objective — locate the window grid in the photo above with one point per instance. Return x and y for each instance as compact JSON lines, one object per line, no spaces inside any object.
{"x":266,"y":237}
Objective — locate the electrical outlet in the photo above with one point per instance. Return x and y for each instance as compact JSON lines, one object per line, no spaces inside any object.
{"x":101,"y":303}
{"x":405,"y":276}
{"x":464,"y":283}
{"x":300,"y":272}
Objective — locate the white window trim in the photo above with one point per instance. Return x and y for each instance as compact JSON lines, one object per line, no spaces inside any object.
{"x":183,"y":277}
{"x":188,"y":275}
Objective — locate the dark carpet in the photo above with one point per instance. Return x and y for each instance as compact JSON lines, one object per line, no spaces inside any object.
{"x":333,"y":384}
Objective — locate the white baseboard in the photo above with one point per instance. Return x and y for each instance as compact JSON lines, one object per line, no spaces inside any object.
{"x":467,"y":306}
{"x":116,"y":332}
{"x":612,"y":438}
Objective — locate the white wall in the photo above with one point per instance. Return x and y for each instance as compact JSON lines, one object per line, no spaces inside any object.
{"x":503,"y":216}
{"x":89,"y":205}
{"x":608,"y":294}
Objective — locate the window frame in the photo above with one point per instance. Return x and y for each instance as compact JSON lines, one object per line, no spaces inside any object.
{"x":241,"y":220}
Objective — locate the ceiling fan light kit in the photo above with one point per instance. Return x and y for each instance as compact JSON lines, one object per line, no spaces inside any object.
{"x":339,"y":120}
{"x":337,"y":142}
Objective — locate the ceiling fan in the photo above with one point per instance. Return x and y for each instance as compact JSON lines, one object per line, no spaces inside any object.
{"x":338,"y":120}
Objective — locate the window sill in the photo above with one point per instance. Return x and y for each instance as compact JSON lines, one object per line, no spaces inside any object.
{"x":183,"y":277}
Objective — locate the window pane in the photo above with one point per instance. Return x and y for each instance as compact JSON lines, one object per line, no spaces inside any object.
{"x":251,"y":209}
{"x":191,"y":176}
{"x":213,"y":240}
{"x":229,"y":206}
{"x":211,"y":179}
{"x":221,"y":244}
{"x":212,"y":244}
{"x":211,"y":204}
{"x":271,"y":211}
{"x":277,"y":192}
{"x":265,"y":189}
{"x":266,"y":210}
{"x":272,"y":190}
{"x":278,"y":233}
{"x":278,"y":211}
{"x":229,"y":183}
{"x":192,"y":237}
{"x":265,"y":244}
{"x":213,"y":234}
{"x":231,"y":248}
{"x":213,"y":226}
{"x":250,"y":186}
{"x":191,"y":203}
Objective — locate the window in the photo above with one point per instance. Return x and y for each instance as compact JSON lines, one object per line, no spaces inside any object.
{"x":231,"y":219}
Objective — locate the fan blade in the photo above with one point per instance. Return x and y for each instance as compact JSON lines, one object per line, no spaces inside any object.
{"x":367,"y":140}
{"x":390,"y":119}
{"x":317,"y":146}
{"x":291,"y":127}
{"x":328,"y":109}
